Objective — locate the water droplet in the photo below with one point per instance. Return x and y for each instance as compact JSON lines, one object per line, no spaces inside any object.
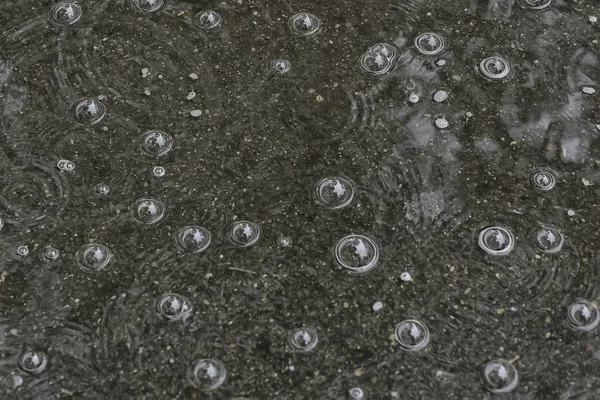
{"x":441,"y":122}
{"x":406,"y":277}
{"x":536,"y":4}
{"x":33,"y":361}
{"x":375,"y":63}
{"x":193,"y":238}
{"x":158,"y":171}
{"x":23,"y":251}
{"x":244,"y":233}
{"x":156,"y":143}
{"x":207,"y":374}
{"x":357,"y":253}
{"x":412,"y":335}
{"x":430,"y":43}
{"x":544,"y":180}
{"x":583,"y":315}
{"x":65,"y":165}
{"x":499,"y":376}
{"x":173,"y":306}
{"x":304,"y":339}
{"x":66,"y":13}
{"x":334,"y":192}
{"x":356,"y":394}
{"x":496,"y":240}
{"x":548,"y":240}
{"x":148,"y":5}
{"x":52,"y":254}
{"x":440,"y":95}
{"x":377,"y":306}
{"x":284,"y":241}
{"x":148,"y":211}
{"x":588,"y":90}
{"x":94,"y":257}
{"x":87,"y":111}
{"x":304,"y":24}
{"x":102,"y":189}
{"x":281,"y":66}
{"x":495,"y":68}
{"x":206,"y":20}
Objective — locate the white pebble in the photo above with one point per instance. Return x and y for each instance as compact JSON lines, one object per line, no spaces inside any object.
{"x":441,"y":63}
{"x":413,"y":98}
{"x":191,"y":95}
{"x":193,"y":76}
{"x":442,"y":123}
{"x":593,"y":19}
{"x":570,"y":213}
{"x":440,"y":96}
{"x":588,"y":90}
{"x":196,"y":113}
{"x":406,"y":277}
{"x":377,"y":306}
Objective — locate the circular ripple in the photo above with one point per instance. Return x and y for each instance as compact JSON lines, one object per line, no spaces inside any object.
{"x":412,"y":335}
{"x":536,"y":4}
{"x":94,"y":257}
{"x":583,"y":315}
{"x":207,"y":20}
{"x":544,"y":180}
{"x":51,"y":254}
{"x":66,"y":13}
{"x":495,"y":68}
{"x":207,"y":374}
{"x":548,"y":239}
{"x":499,"y":376}
{"x":244,"y":233}
{"x":304,"y":24}
{"x":430,"y":43}
{"x":148,"y":211}
{"x":281,"y":66}
{"x":174,"y":307}
{"x":87,"y":111}
{"x":156,"y":143}
{"x":496,"y":240}
{"x":334,"y":192}
{"x":375,"y":63}
{"x":148,"y":5}
{"x":193,"y":239}
{"x":33,"y":361}
{"x":357,"y":253}
{"x":304,"y":339}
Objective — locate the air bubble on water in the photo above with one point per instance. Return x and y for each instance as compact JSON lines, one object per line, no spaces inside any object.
{"x":441,"y":122}
{"x":496,"y":240}
{"x":430,"y":43}
{"x":207,"y":20}
{"x":548,"y":240}
{"x":570,"y":213}
{"x":87,"y":111}
{"x":304,"y":24}
{"x":66,"y":13}
{"x":173,"y":307}
{"x":406,"y":277}
{"x":543,"y":180}
{"x":207,"y":374}
{"x":356,"y":394}
{"x":593,"y":19}
{"x":52,"y":254}
{"x":583,"y":315}
{"x":441,"y":62}
{"x":412,"y":335}
{"x":156,"y":143}
{"x":193,"y":238}
{"x":94,"y":257}
{"x":588,"y":90}
{"x":17,"y":380}
{"x":304,"y":339}
{"x":440,"y":96}
{"x":356,"y":253}
{"x":102,"y":189}
{"x":538,"y":5}
{"x":280,"y":66}
{"x":148,"y":5}
{"x":377,"y":306}
{"x":413,"y":98}
{"x":65,"y":165}
{"x":159,"y":171}
{"x":33,"y":361}
{"x":334,"y":192}
{"x":375,"y":62}
{"x":148,"y":211}
{"x":196,"y":113}
{"x":284,"y":241}
{"x":244,"y":233}
{"x":499,"y":376}
{"x":22,"y":251}
{"x":495,"y":68}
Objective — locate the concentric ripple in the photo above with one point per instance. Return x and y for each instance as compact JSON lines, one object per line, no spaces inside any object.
{"x":544,"y":180}
{"x":148,"y":211}
{"x":583,"y":315}
{"x":412,"y":335}
{"x":207,"y":20}
{"x":173,"y":307}
{"x":193,"y":239}
{"x":430,"y":43}
{"x":356,"y":253}
{"x":148,"y":5}
{"x":66,"y":13}
{"x":207,"y":374}
{"x":548,"y":240}
{"x":304,"y":24}
{"x":244,"y":233}
{"x":496,"y":240}
{"x":379,"y":59}
{"x":280,"y":66}
{"x":499,"y":376}
{"x":94,"y":257}
{"x":87,"y":111}
{"x":495,"y":68}
{"x":304,"y":339}
{"x":538,"y":5}
{"x":334,"y":192}
{"x":156,"y":143}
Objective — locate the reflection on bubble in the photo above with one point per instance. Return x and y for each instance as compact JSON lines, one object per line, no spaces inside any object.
{"x":207,"y":374}
{"x":66,"y":13}
{"x":357,"y":253}
{"x":335,"y":192}
{"x":102,"y":189}
{"x":88,"y":111}
{"x":94,"y":257}
{"x":495,"y":68}
{"x":206,"y":20}
{"x":173,"y":306}
{"x":304,"y":24}
{"x":375,"y":63}
{"x":544,"y":180}
{"x":244,"y":233}
{"x":412,"y":335}
{"x":51,"y":254}
{"x":356,"y":394}
{"x":23,"y":251}
{"x":156,"y":143}
{"x":499,"y":376}
{"x":536,"y":4}
{"x":548,"y":240}
{"x":33,"y":361}
{"x":281,"y":66}
{"x":148,"y":5}
{"x":496,"y":240}
{"x":193,"y":238}
{"x":148,"y":211}
{"x":430,"y":43}
{"x":304,"y":339}
{"x":583,"y":315}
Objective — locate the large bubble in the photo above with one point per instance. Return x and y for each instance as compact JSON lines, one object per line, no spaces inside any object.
{"x":357,"y":253}
{"x":207,"y":374}
{"x":499,"y":376}
{"x":412,"y":335}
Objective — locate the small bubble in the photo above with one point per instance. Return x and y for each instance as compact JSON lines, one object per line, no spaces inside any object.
{"x":588,"y":90}
{"x":377,"y":306}
{"x":496,"y":240}
{"x":193,"y":238}
{"x":430,"y":43}
{"x":87,"y":111}
{"x":406,"y":277}
{"x":23,"y":251}
{"x":196,"y":113}
{"x":284,"y":241}
{"x":173,"y":307}
{"x":570,"y":213}
{"x":441,"y":122}
{"x":495,"y":68}
{"x":583,"y":315}
{"x":281,"y":66}
{"x":244,"y":233}
{"x":207,"y":20}
{"x":66,"y":13}
{"x":33,"y":361}
{"x":65,"y":165}
{"x":544,"y":180}
{"x":156,"y":143}
{"x":158,"y":171}
{"x":440,"y":95}
{"x":148,"y":5}
{"x":412,"y":335}
{"x":441,"y":62}
{"x":334,"y":192}
{"x":548,"y":240}
{"x":17,"y":380}
{"x":536,"y":4}
{"x":356,"y":394}
{"x":52,"y":254}
{"x":94,"y":257}
{"x":357,"y":253}
{"x":207,"y":374}
{"x":304,"y":24}
{"x":148,"y":211}
{"x":304,"y":339}
{"x":413,"y":98}
{"x":499,"y":376}
{"x":102,"y":189}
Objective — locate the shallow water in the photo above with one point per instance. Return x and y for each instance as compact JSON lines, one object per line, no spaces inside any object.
{"x":174,"y":184}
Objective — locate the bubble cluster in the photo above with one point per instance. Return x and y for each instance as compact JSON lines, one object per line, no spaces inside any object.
{"x":207,"y":20}
{"x":207,"y":374}
{"x":87,"y":111}
{"x":334,"y":192}
{"x":65,"y":165}
{"x":499,"y":376}
{"x":412,"y":335}
{"x":496,"y":240}
{"x":536,"y":4}
{"x":357,"y":253}
{"x":156,"y":143}
{"x":33,"y":361}
{"x":430,"y":43}
{"x":148,"y":211}
{"x":543,"y":180}
{"x":51,"y":254}
{"x":281,"y":66}
{"x":94,"y":257}
{"x":495,"y":68}
{"x":173,"y":307}
{"x":66,"y":13}
{"x":193,"y":239}
{"x":304,"y":339}
{"x":304,"y":24}
{"x":379,"y":59}
{"x":244,"y":233}
{"x":148,"y":5}
{"x":356,"y":394}
{"x":548,"y":240}
{"x":583,"y":315}
{"x":158,"y":171}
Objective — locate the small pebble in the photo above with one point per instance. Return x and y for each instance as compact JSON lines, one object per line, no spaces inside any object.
{"x":406,"y":277}
{"x":377,"y":306}
{"x":193,"y":76}
{"x":191,"y":95}
{"x":442,"y":123}
{"x":588,"y":90}
{"x":196,"y":113}
{"x":413,"y":98}
{"x":570,"y":213}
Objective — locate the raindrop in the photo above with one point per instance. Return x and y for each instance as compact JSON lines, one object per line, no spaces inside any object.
{"x":193,"y":239}
{"x":207,"y":374}
{"x":548,"y":240}
{"x":148,"y":5}
{"x":33,"y":361}
{"x":356,"y":394}
{"x":66,"y":13}
{"x":430,"y":43}
{"x":304,"y":339}
{"x":156,"y":143}
{"x":544,"y":180}
{"x":583,"y":315}
{"x":357,"y":253}
{"x":206,"y":20}
{"x":158,"y":171}
{"x":496,"y":240}
{"x":52,"y":254}
{"x":441,"y":122}
{"x":94,"y":257}
{"x":22,"y":251}
{"x":495,"y":68}
{"x":440,"y":95}
{"x":173,"y":306}
{"x":148,"y":211}
{"x":304,"y":24}
{"x":412,"y":335}
{"x":281,"y":66}
{"x":17,"y":380}
{"x":102,"y":189}
{"x":536,"y":4}
{"x":334,"y":192}
{"x":284,"y":241}
{"x":87,"y":111}
{"x":499,"y":376}
{"x":244,"y":233}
